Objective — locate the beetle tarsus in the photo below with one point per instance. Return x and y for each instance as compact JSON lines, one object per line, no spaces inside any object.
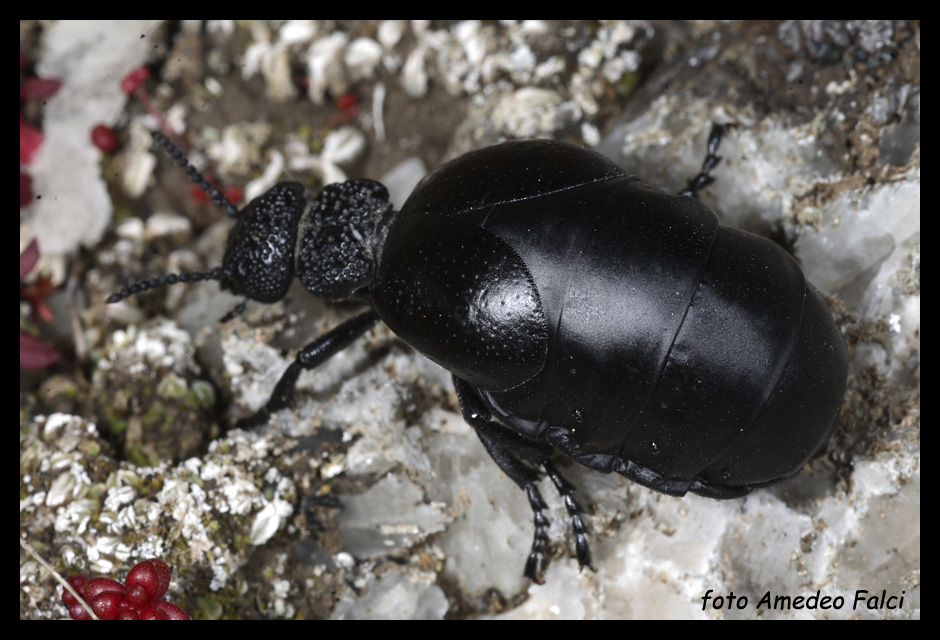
{"x":237,"y":311}
{"x":257,"y":419}
{"x":703,"y":179}
{"x":565,"y":490}
{"x":540,"y":537}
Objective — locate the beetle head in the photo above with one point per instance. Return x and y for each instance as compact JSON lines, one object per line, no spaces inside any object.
{"x":259,"y":257}
{"x":335,"y":255}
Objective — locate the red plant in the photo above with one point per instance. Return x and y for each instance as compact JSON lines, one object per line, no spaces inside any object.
{"x":348,"y":106}
{"x":30,"y":140}
{"x":26,"y":189}
{"x":133,"y":83}
{"x":30,"y":136}
{"x":139,"y":598}
{"x":104,"y":137}
{"x":35,"y":354}
{"x":39,"y":88}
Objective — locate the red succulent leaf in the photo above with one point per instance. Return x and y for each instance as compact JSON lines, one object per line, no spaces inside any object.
{"x":104,"y":137}
{"x":39,"y":88}
{"x":97,"y":586}
{"x":36,"y":292}
{"x":348,"y":106}
{"x":29,"y":258}
{"x":127,"y":611}
{"x":30,"y":140}
{"x":134,"y":79}
{"x":235,"y":195}
{"x":107,"y":604}
{"x":77,"y":582}
{"x":199,"y":196}
{"x":147,"y":581}
{"x":137,"y":596}
{"x":36,"y":355}
{"x":163,"y":611}
{"x":26,"y":189}
{"x":150,"y":612}
{"x":78,"y":612}
{"x":152,"y":575}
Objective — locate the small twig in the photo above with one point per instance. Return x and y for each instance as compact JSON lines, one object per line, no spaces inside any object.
{"x":378,"y":103}
{"x":78,"y":335}
{"x":55,"y":574}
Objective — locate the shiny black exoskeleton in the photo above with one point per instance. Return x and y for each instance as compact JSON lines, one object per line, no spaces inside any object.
{"x":579,"y":310}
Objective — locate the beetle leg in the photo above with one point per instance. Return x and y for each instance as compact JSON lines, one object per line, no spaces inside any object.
{"x":493,"y":438}
{"x":504,"y":445}
{"x":311,"y":356}
{"x":565,"y":490}
{"x":237,"y":311}
{"x":702,"y":180}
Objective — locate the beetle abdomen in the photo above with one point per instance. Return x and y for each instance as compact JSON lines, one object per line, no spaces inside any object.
{"x":695,"y":352}
{"x":754,"y":378}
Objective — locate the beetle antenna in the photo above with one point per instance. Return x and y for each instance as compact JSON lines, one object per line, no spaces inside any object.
{"x":177,"y":154}
{"x":217,"y":273}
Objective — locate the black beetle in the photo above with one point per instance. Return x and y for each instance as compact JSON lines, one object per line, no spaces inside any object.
{"x":578,"y":309}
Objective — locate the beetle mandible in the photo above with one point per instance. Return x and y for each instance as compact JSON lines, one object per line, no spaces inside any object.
{"x":578,"y":310}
